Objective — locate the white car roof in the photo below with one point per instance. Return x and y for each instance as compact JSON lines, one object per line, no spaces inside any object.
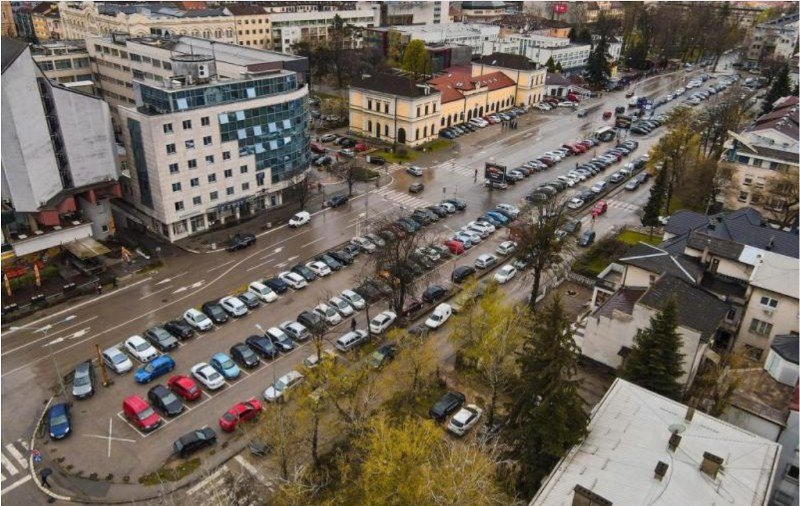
{"x":507,"y":268}
{"x":463,"y":415}
{"x":134,"y":340}
{"x":289,"y":376}
{"x":114,"y":350}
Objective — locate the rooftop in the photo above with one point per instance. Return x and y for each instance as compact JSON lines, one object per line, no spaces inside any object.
{"x":656,"y":260}
{"x":556,"y":79}
{"x":622,"y":300}
{"x":394,"y":85}
{"x":787,"y":347}
{"x":760,"y":394}
{"x":628,"y":436}
{"x":777,"y":273}
{"x":509,"y":61}
{"x":453,"y":85}
{"x":10,"y":49}
{"x":223,"y":52}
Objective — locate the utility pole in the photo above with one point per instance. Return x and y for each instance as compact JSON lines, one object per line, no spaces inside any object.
{"x":103,"y":372}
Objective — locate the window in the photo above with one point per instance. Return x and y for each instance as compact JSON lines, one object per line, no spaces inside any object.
{"x":369,"y":104}
{"x":228,"y":172}
{"x":753,"y":352}
{"x":210,"y":160}
{"x":743,"y":196}
{"x":192,"y":164}
{"x":207,"y":140}
{"x":386,"y":107}
{"x":731,"y":315}
{"x":418,"y":109}
{"x":197,"y":200}
{"x":187,"y":124}
{"x":744,"y":160}
{"x":173,"y":168}
{"x":179,"y":205}
{"x":226,"y":155}
{"x":760,"y":327}
{"x":189,"y":144}
{"x":194,"y":182}
{"x":792,"y":472}
{"x":757,"y":162}
{"x":426,"y":109}
{"x":243,"y":169}
{"x":170,"y":149}
{"x":386,"y":130}
{"x":213,"y":195}
{"x":212,"y":178}
{"x":205,"y":121}
{"x":748,"y":179}
{"x":176,"y":187}
{"x":167,"y":128}
{"x":769,"y":302}
{"x":245,"y":186}
{"x":229,"y":190}
{"x":760,"y":182}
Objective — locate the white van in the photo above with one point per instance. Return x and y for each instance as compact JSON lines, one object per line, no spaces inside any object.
{"x":351,"y":340}
{"x":300,"y":219}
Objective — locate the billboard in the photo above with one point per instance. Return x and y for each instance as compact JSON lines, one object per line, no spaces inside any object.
{"x":495,"y":173}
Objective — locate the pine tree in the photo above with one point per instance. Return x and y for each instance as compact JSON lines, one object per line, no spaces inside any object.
{"x":652,"y":210}
{"x":559,"y":68}
{"x":598,"y":68}
{"x":655,"y":362}
{"x":547,"y":417}
{"x":781,"y":87}
{"x":551,"y":65}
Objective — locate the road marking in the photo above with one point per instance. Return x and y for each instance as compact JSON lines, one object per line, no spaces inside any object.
{"x":291,"y":258}
{"x":179,"y":290}
{"x":16,"y":484}
{"x":154,"y":293}
{"x":314,"y":241}
{"x":213,"y":476}
{"x":8,"y":465}
{"x":281,"y":265}
{"x":253,"y":471}
{"x":259,"y":265}
{"x":197,"y":284}
{"x":221,"y":265}
{"x":17,"y":455}
{"x":50,"y":335}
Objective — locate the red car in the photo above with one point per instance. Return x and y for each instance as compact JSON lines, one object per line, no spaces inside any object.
{"x":360,"y":147}
{"x":607,"y":115}
{"x":317,"y":148}
{"x":240,"y":412}
{"x":184,"y":387}
{"x":411,"y":307}
{"x":455,"y":247}
{"x":140,"y":413}
{"x":599,"y":208}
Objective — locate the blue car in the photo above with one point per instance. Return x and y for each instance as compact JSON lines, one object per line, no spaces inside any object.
{"x":498,"y":217}
{"x":225,"y":366}
{"x":58,"y":421}
{"x":276,"y":284}
{"x":157,"y":367}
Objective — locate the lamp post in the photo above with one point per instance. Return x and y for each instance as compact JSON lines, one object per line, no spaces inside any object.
{"x":45,"y":330}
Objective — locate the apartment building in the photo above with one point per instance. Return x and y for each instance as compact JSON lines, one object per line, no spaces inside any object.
{"x":252,"y":25}
{"x":46,"y":22}
{"x":59,"y":160}
{"x":393,"y":13}
{"x":289,"y":28}
{"x":223,"y":133}
{"x":66,"y":62}
{"x":540,"y":48}
{"x":473,"y":35}
{"x":775,"y":39}
{"x":7,"y":26}
{"x":482,"y":11}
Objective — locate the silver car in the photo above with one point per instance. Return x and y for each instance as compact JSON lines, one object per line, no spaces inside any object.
{"x":83,"y":381}
{"x":116,"y":360}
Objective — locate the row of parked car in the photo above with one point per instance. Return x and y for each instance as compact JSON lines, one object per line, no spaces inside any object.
{"x":476,"y":123}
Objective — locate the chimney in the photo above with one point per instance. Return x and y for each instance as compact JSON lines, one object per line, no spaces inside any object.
{"x":585,"y":497}
{"x":689,"y":414}
{"x":674,"y":442}
{"x":661,"y":470}
{"x":711,"y":464}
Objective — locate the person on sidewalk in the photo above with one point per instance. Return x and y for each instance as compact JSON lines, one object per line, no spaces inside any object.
{"x":45,"y":473}
{"x":353,"y":324}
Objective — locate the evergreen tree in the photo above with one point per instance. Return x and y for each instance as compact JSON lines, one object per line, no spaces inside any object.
{"x":781,"y":87}
{"x":547,"y":416}
{"x":655,"y":362}
{"x":559,"y":68}
{"x":551,"y":65}
{"x":652,"y":210}
{"x":598,"y":68}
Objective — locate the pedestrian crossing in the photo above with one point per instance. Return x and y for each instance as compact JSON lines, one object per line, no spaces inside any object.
{"x":451,"y":167}
{"x":240,"y":485}
{"x":14,"y":463}
{"x":618,"y":204}
{"x":400,"y":199}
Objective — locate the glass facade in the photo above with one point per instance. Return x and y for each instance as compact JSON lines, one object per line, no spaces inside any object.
{"x":140,"y":163}
{"x":164,"y":101}
{"x":278,"y":136}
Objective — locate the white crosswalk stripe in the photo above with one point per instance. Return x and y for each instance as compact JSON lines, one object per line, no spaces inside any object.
{"x":401,"y":199}
{"x":13,"y":461}
{"x":618,"y":204}
{"x":229,"y":485}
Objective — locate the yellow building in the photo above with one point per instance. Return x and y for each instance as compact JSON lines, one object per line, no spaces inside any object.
{"x":9,"y":29}
{"x":394,"y":109}
{"x":465,"y":97}
{"x":252,"y":25}
{"x":527,"y":75}
{"x":46,"y":22}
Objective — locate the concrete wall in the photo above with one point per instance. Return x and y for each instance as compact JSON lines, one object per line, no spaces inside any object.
{"x":784,"y":319}
{"x":100,"y":216}
{"x":752,"y":423}
{"x":788,"y":457}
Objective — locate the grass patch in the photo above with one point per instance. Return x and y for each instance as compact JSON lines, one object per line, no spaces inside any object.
{"x":675,"y":204}
{"x":173,"y":473}
{"x":632,"y":237}
{"x":436,"y":145}
{"x":401,"y":405}
{"x":364,"y":174}
{"x":399,"y":157}
{"x":596,"y":259}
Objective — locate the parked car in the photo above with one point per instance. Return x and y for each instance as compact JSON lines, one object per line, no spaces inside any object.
{"x":300,"y":219}
{"x":157,"y":367}
{"x":586,"y":239}
{"x":140,"y":349}
{"x":240,"y":241}
{"x":249,"y":299}
{"x":439,"y":316}
{"x":329,"y":314}
{"x":278,"y":390}
{"x":277,"y":285}
{"x":434,"y":293}
{"x":337,"y":200}
{"x":305,"y":272}
{"x":351,"y":340}
{"x":197,"y":319}
{"x":208,"y":376}
{"x":179,"y":328}
{"x":213,"y":310}
{"x":279,"y":338}
{"x":165,"y":400}
{"x":83,"y":380}
{"x":116,"y":360}
{"x":262,"y":291}
{"x":244,"y":355}
{"x":363,"y":244}
{"x":140,"y":413}
{"x":447,"y":404}
{"x":485,"y":261}
{"x":311,"y":321}
{"x":184,"y":386}
{"x":240,"y":412}
{"x":505,"y":274}
{"x":382,"y":321}
{"x":354,"y":299}
{"x":599,"y":208}
{"x":465,"y":419}
{"x":224,"y":365}
{"x":341,"y":306}
{"x":194,"y":441}
{"x":461,"y":273}
{"x":262,"y":346}
{"x":161,"y":339}
{"x":297,"y":330}
{"x":58,"y":421}
{"x":506,"y":248}
{"x":320,"y":269}
{"x":293,"y":279}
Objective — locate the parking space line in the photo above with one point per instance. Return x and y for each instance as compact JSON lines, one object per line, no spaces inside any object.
{"x":129,"y":424}
{"x":16,"y":484}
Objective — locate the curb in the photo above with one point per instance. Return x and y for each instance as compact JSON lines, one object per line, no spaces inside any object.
{"x":34,"y":474}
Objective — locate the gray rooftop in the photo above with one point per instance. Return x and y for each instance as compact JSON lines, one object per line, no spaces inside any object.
{"x":11,"y":49}
{"x":787,"y":347}
{"x":659,"y":261}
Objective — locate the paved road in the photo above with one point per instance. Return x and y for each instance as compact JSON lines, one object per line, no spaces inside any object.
{"x":28,"y":368}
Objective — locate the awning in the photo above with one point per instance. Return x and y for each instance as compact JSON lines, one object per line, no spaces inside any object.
{"x":86,"y":248}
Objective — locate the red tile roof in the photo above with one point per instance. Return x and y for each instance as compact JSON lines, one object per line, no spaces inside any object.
{"x":453,"y":84}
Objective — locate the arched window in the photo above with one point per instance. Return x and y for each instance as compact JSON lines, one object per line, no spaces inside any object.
{"x":229,"y":33}
{"x":425,"y":131}
{"x":369,"y":126}
{"x":206,"y":34}
{"x":386,"y":130}
{"x":217,"y":33}
{"x":417,"y":135}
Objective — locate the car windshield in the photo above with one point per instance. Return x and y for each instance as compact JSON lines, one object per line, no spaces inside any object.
{"x":142,"y":346}
{"x":169,"y":398}
{"x":81,"y":380}
{"x":280,"y":386}
{"x":246,"y":352}
{"x":58,"y":420}
{"x":226,"y":363}
{"x":435,"y":317}
{"x":216,"y":310}
{"x":228,"y":417}
{"x":213,"y":376}
{"x":149,"y":367}
{"x":118,"y":358}
{"x":330,"y":312}
{"x":145,"y":413}
{"x":457,"y":423}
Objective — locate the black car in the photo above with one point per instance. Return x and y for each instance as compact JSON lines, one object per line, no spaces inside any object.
{"x":642,"y":177}
{"x":244,"y":355}
{"x":376,"y":160}
{"x":449,"y":403}
{"x":405,"y":226}
{"x":422,"y":260}
{"x":440,"y":211}
{"x":331,"y":262}
{"x":240,"y":241}
{"x":277,"y":285}
{"x":421,"y":217}
{"x":369,"y":292}
{"x":616,"y":178}
{"x":281,"y":341}
{"x":305,"y":272}
{"x":461,"y":273}
{"x":262,"y":345}
{"x":337,"y":200}
{"x":179,"y":329}
{"x":342,"y":257}
{"x":213,"y":310}
{"x":193,"y":441}
{"x":249,"y":299}
{"x":415,"y":225}
{"x":311,"y":321}
{"x":167,"y":402}
{"x":352,"y":250}
{"x":571,"y":226}
{"x":434,"y":293}
{"x":587,"y":239}
{"x":458,"y":203}
{"x":161,"y":339}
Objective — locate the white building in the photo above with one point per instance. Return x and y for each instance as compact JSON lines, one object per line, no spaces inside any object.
{"x":473,"y":35}
{"x":223,"y":136}
{"x":775,"y":39}
{"x":59,"y":162}
{"x":409,"y":13}
{"x":540,"y":48}
{"x":289,"y":28}
{"x":643,"y":448}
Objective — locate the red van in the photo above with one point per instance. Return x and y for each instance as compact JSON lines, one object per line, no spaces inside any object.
{"x":317,"y":148}
{"x":140,"y":413}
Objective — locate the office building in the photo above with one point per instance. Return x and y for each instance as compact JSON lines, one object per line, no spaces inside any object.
{"x":66,"y":62}
{"x":540,"y":48}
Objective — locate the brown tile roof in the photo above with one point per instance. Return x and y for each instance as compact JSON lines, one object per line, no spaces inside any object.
{"x":452,"y":85}
{"x":245,"y":9}
{"x":759,"y":393}
{"x":622,"y":300}
{"x":393,"y":85}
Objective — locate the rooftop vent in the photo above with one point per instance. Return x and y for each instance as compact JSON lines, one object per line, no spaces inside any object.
{"x":711,"y":464}
{"x":585,"y":497}
{"x":661,"y":470}
{"x":689,"y":414}
{"x":674,"y":442}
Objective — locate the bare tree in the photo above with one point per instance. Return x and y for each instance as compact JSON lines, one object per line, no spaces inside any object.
{"x":780,"y":198}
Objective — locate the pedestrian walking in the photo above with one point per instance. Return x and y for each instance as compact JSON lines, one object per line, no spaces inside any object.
{"x":475,"y":178}
{"x":353,"y":324}
{"x":46,"y":472}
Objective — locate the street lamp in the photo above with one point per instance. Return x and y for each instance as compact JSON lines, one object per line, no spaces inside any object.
{"x":45,"y":330}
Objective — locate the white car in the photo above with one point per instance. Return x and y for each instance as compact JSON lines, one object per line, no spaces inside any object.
{"x":313,"y":360}
{"x":543,"y":106}
{"x":506,"y":248}
{"x":300,"y":219}
{"x":568,"y":180}
{"x":465,"y":419}
{"x":505,"y":274}
{"x":382,"y":322}
{"x":116,"y":360}
{"x":580,"y":176}
{"x":329,"y":314}
{"x":197,"y":319}
{"x":363,"y":244}
{"x":450,"y":208}
{"x":140,"y":349}
{"x":293,"y":279}
{"x":341,"y":306}
{"x":485,"y":261}
{"x":512,"y":210}
{"x":354,"y":299}
{"x":482,"y":228}
{"x":439,"y":316}
{"x":208,"y":376}
{"x":285,"y":383}
{"x":233,"y":305}
{"x":262,"y":291}
{"x":474,"y":237}
{"x":575,"y":203}
{"x":321,"y":269}
{"x":567,"y":103}
{"x":295,"y":330}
